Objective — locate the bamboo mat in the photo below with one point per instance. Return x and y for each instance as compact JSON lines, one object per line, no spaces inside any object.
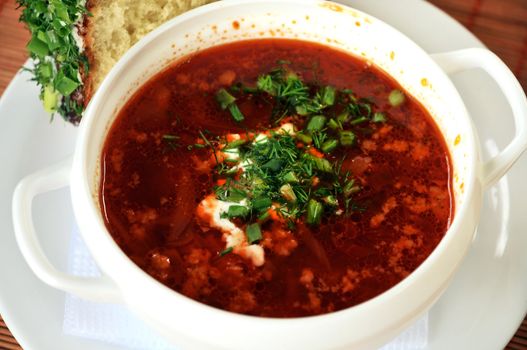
{"x":500,"y":24}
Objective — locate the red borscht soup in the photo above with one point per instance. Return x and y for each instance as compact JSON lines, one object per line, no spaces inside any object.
{"x":275,"y":178}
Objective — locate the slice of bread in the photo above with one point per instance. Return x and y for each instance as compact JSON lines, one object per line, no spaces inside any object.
{"x":116,"y":25}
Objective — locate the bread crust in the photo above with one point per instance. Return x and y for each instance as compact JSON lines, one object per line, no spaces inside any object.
{"x":84,"y":32}
{"x":126,"y":20}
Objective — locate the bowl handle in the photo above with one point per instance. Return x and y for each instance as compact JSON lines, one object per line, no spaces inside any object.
{"x":456,"y":61}
{"x":45,"y":180}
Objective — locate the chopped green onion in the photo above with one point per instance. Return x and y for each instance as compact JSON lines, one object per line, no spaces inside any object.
{"x":327,"y":94}
{"x":264,"y":217}
{"x":287,"y":192}
{"x":320,"y":164}
{"x":301,"y":109}
{"x":50,"y":99}
{"x":314,"y":212}
{"x":235,"y":144}
{"x":235,"y":195}
{"x":45,"y":69}
{"x":236,"y":113}
{"x":236,"y":211}
{"x":290,"y":177}
{"x":329,"y":145}
{"x":333,"y":124}
{"x":343,"y":117}
{"x":38,"y":47}
{"x":323,"y":165}
{"x":224,"y":98}
{"x":350,"y":188}
{"x":330,"y":200}
{"x":304,"y":138}
{"x":273,"y":164}
{"x":42,"y":36}
{"x":378,"y":117}
{"x":226,"y":251}
{"x":65,"y":85}
{"x":396,"y":98}
{"x":52,"y":40}
{"x":253,"y":232}
{"x":316,"y":123}
{"x":62,"y":12}
{"x":170,"y":137}
{"x":262,"y":203}
{"x":347,"y":138}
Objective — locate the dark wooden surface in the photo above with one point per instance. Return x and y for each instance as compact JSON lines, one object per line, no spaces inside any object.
{"x":500,"y":24}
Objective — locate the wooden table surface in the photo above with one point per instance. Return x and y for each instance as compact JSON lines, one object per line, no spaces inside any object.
{"x":500,"y":24}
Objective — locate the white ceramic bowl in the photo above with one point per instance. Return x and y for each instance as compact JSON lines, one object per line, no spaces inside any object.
{"x":194,"y":325}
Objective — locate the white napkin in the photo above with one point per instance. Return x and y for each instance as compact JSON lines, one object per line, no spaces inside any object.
{"x":115,"y":324}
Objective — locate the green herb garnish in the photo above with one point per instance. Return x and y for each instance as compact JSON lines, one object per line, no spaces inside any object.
{"x":290,"y":177}
{"x":326,"y":96}
{"x":287,"y":193}
{"x":262,"y":203}
{"x":224,"y":98}
{"x":329,"y":145}
{"x":347,"y":138}
{"x":396,"y":98}
{"x":378,"y":117}
{"x":225,"y":251}
{"x":58,"y":62}
{"x":334,"y":124}
{"x":293,"y":174}
{"x":314,"y":212}
{"x":316,"y":123}
{"x":227,"y":101}
{"x":304,"y":138}
{"x":236,"y":211}
{"x":253,"y":232}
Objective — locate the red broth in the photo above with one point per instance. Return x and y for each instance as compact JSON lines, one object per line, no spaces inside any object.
{"x":151,"y":187}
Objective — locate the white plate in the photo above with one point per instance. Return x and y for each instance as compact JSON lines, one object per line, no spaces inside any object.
{"x":481,"y":309}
